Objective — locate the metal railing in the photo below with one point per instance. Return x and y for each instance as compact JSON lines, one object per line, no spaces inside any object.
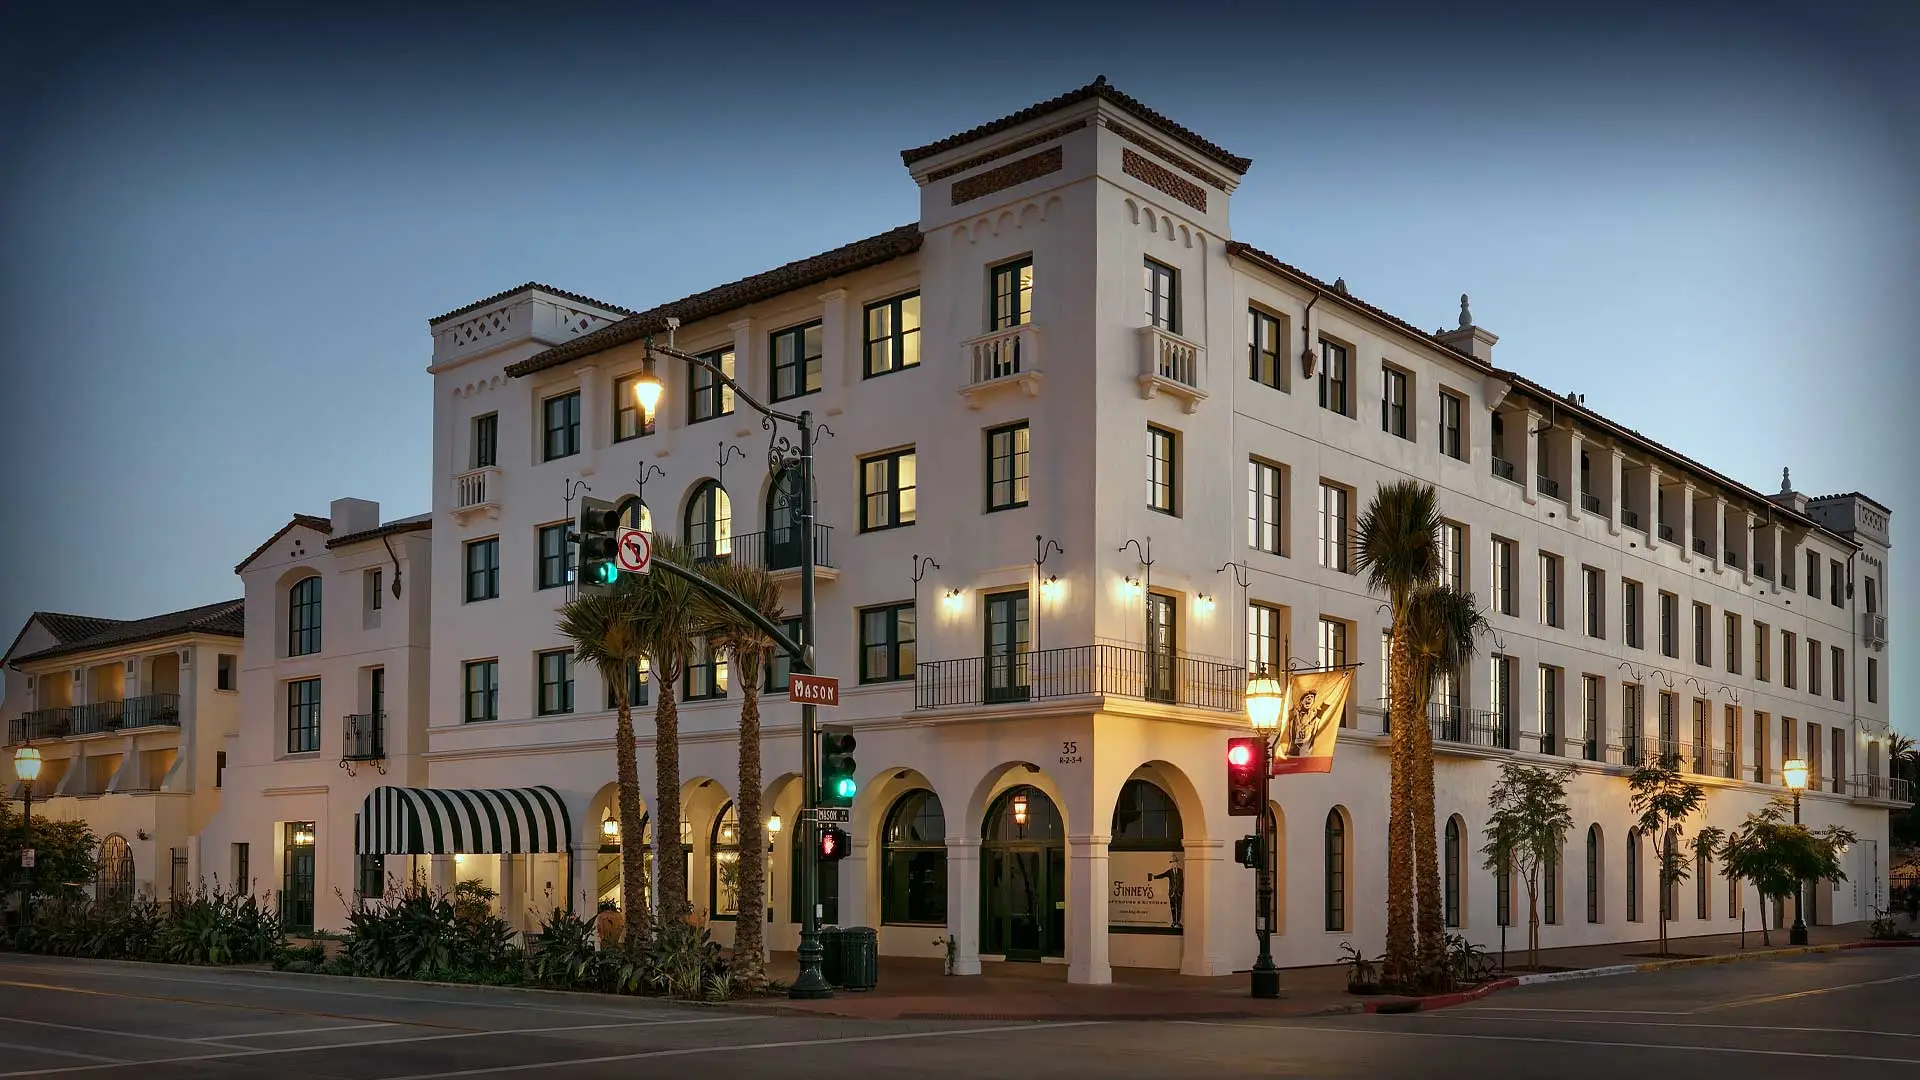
{"x":364,"y":737}
{"x":1457,"y":726}
{"x":1631,"y":519}
{"x":1666,"y":531}
{"x":1502,"y":468}
{"x":1732,"y":558}
{"x":1002,"y":354}
{"x":1699,"y":545}
{"x":1078,"y":671}
{"x":97,"y":718}
{"x":1547,"y":485}
{"x":774,"y":549}
{"x":1884,"y":788}
{"x":1589,"y":502}
{"x":1760,"y":570}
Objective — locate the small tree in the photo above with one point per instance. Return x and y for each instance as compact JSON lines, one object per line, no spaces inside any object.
{"x":1526,"y":831}
{"x":1776,"y":855}
{"x":65,"y":855}
{"x":1664,"y":799}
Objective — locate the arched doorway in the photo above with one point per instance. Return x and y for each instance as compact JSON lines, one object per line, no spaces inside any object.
{"x":1023,"y":914}
{"x":609,"y":870}
{"x":113,"y":885}
{"x":1144,"y":853}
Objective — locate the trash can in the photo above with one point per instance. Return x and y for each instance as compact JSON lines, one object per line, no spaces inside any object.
{"x":830,"y":955}
{"x":859,"y":958}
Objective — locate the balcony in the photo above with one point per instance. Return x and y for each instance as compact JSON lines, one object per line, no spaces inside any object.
{"x":1503,"y":468}
{"x":1666,"y":532}
{"x":1731,"y":558}
{"x":1170,"y":363}
{"x":775,"y":550}
{"x":1455,"y":726}
{"x":1542,"y":742}
{"x":1760,"y":570}
{"x":1888,"y":789}
{"x":1699,"y":545}
{"x":1081,"y":671}
{"x":476,"y":491}
{"x":1873,"y":628}
{"x":1004,"y":358}
{"x":1631,"y":519}
{"x":363,"y":737}
{"x":1589,"y":502}
{"x":1547,"y":485}
{"x":97,"y":718}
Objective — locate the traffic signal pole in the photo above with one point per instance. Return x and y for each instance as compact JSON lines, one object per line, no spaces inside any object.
{"x":1266,"y":977}
{"x":811,"y":983}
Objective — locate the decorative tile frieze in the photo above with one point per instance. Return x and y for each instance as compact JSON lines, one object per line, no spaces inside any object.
{"x":1159,"y":177}
{"x":1006,"y":176}
{"x":1008,"y":150}
{"x":1154,"y":147}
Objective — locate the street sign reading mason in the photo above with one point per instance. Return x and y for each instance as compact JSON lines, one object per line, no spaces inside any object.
{"x":813,"y":689}
{"x":838,"y":815}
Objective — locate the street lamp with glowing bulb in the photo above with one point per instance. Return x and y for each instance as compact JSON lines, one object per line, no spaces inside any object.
{"x":1794,"y":771}
{"x":1266,"y":702}
{"x":647,"y":388}
{"x":26,"y":766}
{"x":1020,"y":809}
{"x":610,"y":829}
{"x":773,"y":825}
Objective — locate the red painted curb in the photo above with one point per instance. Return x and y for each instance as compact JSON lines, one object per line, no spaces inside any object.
{"x":1441,"y":1001}
{"x":1899,"y":943}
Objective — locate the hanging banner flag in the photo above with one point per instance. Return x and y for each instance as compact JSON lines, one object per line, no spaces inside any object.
{"x":1311,"y":725}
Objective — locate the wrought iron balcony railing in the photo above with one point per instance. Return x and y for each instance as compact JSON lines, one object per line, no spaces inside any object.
{"x":1079,"y":671}
{"x":1631,"y":519}
{"x":1589,"y":502}
{"x":774,"y":549}
{"x":1883,"y":788}
{"x":1502,"y":468}
{"x":97,"y":718}
{"x":364,"y":737}
{"x":1547,"y":485}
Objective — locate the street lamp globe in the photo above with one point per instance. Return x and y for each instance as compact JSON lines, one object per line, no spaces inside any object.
{"x":773,"y":825}
{"x":1794,"y":771}
{"x":610,"y":828}
{"x":1265,"y":699}
{"x":26,"y":763}
{"x":647,"y":388}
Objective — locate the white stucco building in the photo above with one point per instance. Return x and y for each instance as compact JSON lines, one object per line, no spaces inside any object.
{"x":1108,"y":402}
{"x":333,"y":688}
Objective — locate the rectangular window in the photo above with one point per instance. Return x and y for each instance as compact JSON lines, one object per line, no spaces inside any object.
{"x":1550,"y":589}
{"x":1592,"y":717}
{"x":888,"y":492}
{"x":1669,"y":724}
{"x":1632,"y":723}
{"x":1266,"y":638}
{"x":370,"y":873}
{"x":1760,"y":762}
{"x":1549,"y":709}
{"x":1813,"y":667}
{"x":229,"y":675}
{"x":780,"y":664}
{"x":1733,"y":643}
{"x":1873,"y":681}
{"x":796,"y":360}
{"x":1453,"y":556}
{"x":1839,"y":673}
{"x":893,"y":335}
{"x":1007,"y":466}
{"x":560,"y":422}
{"x":556,"y":681}
{"x":1008,"y":638}
{"x":710,"y":397}
{"x":1872,"y":594}
{"x":1504,"y":592}
{"x":1837,"y":582}
{"x":1266,"y":345}
{"x":1789,"y":660}
{"x":639,"y":678}
{"x":1813,"y":574}
{"x":485,"y":448}
{"x":1789,"y":731}
{"x":1266,"y":503}
{"x":243,"y":867}
{"x":483,"y":569}
{"x":376,"y":690}
{"x":1393,"y":401}
{"x":1010,"y":300}
{"x":1500,"y":700}
{"x":370,"y":582}
{"x":1596,"y":602}
{"x":303,"y":716}
{"x":1163,"y":296}
{"x":554,"y":556}
{"x":887,"y":643}
{"x":706,"y":675}
{"x":1163,"y":471}
{"x":629,"y":420}
{"x":1333,"y":649}
{"x":1702,"y":634}
{"x":1837,"y":766}
{"x":1669,"y":624}
{"x":483,"y":690}
{"x":1762,"y":654}
{"x":1333,"y":377}
{"x":1450,"y":411}
{"x":1335,"y":526}
{"x":1630,"y":613}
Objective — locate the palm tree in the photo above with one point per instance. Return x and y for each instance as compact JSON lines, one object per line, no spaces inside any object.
{"x":1396,"y":544}
{"x":748,"y":649}
{"x":1443,"y":626}
{"x":1903,"y":756}
{"x":670,"y":610}
{"x":605,"y":630}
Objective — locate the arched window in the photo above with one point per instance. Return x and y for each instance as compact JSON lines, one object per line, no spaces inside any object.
{"x":783,"y":520}
{"x":1145,"y":849}
{"x":113,"y":885}
{"x":1452,"y":871}
{"x":1041,"y":824}
{"x":709,"y":522}
{"x":1336,"y":869}
{"x":636,"y":515}
{"x":1633,"y":875}
{"x":913,"y":861}
{"x":1593,"y":873}
{"x":303,"y":617}
{"x":610,"y":870}
{"x":723,"y":863}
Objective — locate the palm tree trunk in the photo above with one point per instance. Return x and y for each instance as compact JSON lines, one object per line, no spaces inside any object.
{"x":1431,"y":923}
{"x":633,"y":866}
{"x":669,"y":859}
{"x":749,"y":928}
{"x":1400,"y":957}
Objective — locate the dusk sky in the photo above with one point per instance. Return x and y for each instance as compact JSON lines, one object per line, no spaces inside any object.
{"x":222,"y":235}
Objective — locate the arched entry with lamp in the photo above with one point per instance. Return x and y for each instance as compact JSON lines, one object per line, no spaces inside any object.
{"x":1023,"y":873}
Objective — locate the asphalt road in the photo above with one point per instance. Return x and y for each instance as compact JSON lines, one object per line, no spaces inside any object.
{"x":1853,"y":1011}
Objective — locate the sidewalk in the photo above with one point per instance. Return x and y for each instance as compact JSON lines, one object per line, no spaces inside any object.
{"x":911,"y":988}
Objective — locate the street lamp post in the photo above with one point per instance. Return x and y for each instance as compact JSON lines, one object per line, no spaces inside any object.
{"x":1265,"y":700}
{"x":26,"y":766}
{"x":810,"y":983}
{"x":1795,"y":772}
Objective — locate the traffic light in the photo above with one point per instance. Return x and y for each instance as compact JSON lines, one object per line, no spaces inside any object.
{"x":837,"y":786}
{"x":834,"y":843}
{"x":598,"y":534}
{"x":1243,"y":777}
{"x":1246,"y":852}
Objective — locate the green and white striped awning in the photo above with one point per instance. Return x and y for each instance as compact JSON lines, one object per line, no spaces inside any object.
{"x":452,"y":821}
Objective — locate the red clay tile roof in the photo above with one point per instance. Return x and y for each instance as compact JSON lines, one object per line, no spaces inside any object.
{"x":499,"y":296}
{"x":391,"y":528}
{"x":1253,"y":254}
{"x":224,"y":619}
{"x":63,"y":627}
{"x":874,"y":250}
{"x":317,"y":524}
{"x":1868,"y":499}
{"x":1098,"y":88}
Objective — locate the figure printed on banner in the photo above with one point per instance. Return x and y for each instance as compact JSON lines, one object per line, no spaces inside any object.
{"x":1315,"y":702}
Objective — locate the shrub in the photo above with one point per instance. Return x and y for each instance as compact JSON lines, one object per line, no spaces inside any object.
{"x":215,"y":927}
{"x":422,"y":935}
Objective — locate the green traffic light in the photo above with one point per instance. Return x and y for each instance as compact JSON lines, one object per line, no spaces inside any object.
{"x":844,"y":787}
{"x":609,"y":573}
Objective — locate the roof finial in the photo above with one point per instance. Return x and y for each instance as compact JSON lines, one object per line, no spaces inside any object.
{"x":1099,"y":80}
{"x":1786,"y":482}
{"x":1340,"y":285}
{"x":1466,"y":317}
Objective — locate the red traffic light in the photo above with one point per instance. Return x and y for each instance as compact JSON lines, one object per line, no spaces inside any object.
{"x":1240,"y":755}
{"x":1244,"y":759}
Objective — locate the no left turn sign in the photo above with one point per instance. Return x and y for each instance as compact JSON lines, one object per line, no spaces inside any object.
{"x":633,"y":553}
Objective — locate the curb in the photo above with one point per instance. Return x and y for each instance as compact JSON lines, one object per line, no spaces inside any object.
{"x":1441,"y":1001}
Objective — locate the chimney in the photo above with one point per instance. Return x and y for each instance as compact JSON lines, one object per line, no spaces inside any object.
{"x":354,"y":516}
{"x":1468,"y":338}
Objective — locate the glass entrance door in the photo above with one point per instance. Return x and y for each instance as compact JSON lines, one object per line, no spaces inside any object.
{"x":296,"y":888}
{"x":1007,"y":644}
{"x":1161,"y":645}
{"x":1026,"y":915}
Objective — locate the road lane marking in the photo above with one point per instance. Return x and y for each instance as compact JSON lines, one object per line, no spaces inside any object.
{"x":1570,"y":1012}
{"x":66,"y":1053}
{"x":62,"y":988}
{"x":690,"y":1051}
{"x":1696,"y":1027}
{"x":1684,"y":1047}
{"x":386,"y":1042}
{"x":1771,"y":998}
{"x":295,"y":1031}
{"x":99,"y":1031}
